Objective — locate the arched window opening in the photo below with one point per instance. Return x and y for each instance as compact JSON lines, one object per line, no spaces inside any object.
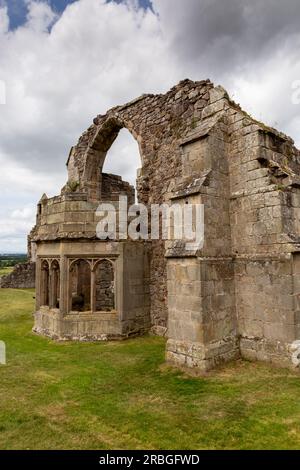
{"x":80,"y":286}
{"x":104,"y":286}
{"x":123,"y":158}
{"x":55,"y":284}
{"x":44,"y":297}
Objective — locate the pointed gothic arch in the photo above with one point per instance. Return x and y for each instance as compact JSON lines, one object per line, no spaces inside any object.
{"x":96,"y":151}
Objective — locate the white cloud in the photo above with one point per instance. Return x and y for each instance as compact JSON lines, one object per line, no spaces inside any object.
{"x":21,"y":188}
{"x":17,"y":178}
{"x":123,"y":157}
{"x":250,"y":47}
{"x":268,"y":94}
{"x":4,"y":20}
{"x":23,"y":214}
{"x":40,"y":16}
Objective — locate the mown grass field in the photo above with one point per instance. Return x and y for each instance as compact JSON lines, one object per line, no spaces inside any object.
{"x":122,"y":396}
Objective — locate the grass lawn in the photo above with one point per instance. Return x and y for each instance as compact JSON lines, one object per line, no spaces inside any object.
{"x":4,"y":271}
{"x":122,"y":396}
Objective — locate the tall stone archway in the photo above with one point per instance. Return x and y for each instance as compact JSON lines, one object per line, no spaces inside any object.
{"x":89,"y":173}
{"x":159,"y":124}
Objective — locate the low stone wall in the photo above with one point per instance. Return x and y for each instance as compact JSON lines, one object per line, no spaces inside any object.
{"x":77,"y":326}
{"x":22,"y":277}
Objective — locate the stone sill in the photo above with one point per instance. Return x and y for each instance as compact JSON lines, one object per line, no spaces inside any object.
{"x":80,"y":315}
{"x":91,"y":315}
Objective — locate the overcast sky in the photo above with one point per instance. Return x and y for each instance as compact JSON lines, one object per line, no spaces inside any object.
{"x":64,"y":61}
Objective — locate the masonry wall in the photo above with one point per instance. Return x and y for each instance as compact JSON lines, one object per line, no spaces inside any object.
{"x":238,"y":293}
{"x":136,"y":292}
{"x":22,"y":277}
{"x":268,"y":322}
{"x":264,"y":210}
{"x":105,"y":287}
{"x":112,"y":186}
{"x":158,"y":123}
{"x":202,"y":323}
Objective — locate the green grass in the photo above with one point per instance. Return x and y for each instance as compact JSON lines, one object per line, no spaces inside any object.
{"x":4,"y":271}
{"x":121,"y":395}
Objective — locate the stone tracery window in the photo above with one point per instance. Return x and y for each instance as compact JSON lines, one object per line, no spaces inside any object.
{"x":54,"y":284}
{"x":91,"y":285}
{"x":50,"y":283}
{"x":80,"y":285}
{"x":44,"y":289}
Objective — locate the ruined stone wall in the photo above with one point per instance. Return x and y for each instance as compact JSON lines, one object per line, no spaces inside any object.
{"x":195,"y":135}
{"x":104,"y":286}
{"x":202,"y":315}
{"x":136,"y":301}
{"x":202,"y":311}
{"x":112,"y":186}
{"x":264,"y":210}
{"x":237,"y":294}
{"x":158,"y":123}
{"x":22,"y":277}
{"x":267,"y":314}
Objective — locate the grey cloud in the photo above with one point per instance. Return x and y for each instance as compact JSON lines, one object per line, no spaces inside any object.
{"x":96,"y":56}
{"x":219,"y":35}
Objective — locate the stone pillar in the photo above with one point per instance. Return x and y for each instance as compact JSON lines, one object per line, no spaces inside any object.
{"x":64,"y":286}
{"x":93,"y":291}
{"x":51,"y":288}
{"x":201,"y":304}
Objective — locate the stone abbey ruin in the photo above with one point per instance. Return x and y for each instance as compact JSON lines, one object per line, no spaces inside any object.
{"x":239,"y":296}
